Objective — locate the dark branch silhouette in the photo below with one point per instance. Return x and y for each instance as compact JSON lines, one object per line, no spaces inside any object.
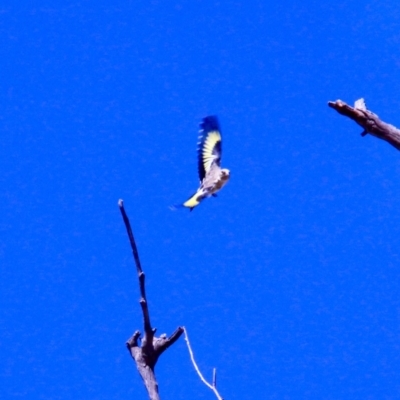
{"x":146,"y":354}
{"x":369,"y":121}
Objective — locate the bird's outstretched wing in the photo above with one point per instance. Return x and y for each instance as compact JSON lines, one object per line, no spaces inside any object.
{"x":209,"y":146}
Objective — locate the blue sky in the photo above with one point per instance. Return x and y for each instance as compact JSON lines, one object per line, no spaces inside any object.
{"x":288,"y":282}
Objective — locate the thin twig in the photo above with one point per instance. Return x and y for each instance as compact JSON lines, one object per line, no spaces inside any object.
{"x":213,"y":386}
{"x":214,"y":381}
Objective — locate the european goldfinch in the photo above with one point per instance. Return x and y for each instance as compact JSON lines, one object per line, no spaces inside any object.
{"x":212,"y":176}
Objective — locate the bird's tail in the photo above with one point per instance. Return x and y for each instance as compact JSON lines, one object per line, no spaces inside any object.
{"x":174,"y":207}
{"x":191,"y":203}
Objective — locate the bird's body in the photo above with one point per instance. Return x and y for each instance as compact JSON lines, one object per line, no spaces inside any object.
{"x":212,"y":177}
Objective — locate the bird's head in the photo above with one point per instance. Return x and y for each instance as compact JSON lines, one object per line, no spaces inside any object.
{"x":225,"y":173}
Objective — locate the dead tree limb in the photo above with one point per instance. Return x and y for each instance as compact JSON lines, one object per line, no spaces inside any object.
{"x":151,"y":347}
{"x":369,"y":121}
{"x":213,"y":385}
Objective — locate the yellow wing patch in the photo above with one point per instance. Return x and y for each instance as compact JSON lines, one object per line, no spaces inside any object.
{"x":210,"y":151}
{"x":210,"y":145}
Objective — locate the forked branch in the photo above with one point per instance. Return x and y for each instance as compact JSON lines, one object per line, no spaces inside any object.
{"x":147,"y":353}
{"x":213,"y":385}
{"x":369,"y":121}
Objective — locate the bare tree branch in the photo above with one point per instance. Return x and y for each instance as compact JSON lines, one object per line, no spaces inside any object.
{"x":212,"y":386}
{"x":369,"y":121}
{"x":151,"y":348}
{"x":214,"y":381}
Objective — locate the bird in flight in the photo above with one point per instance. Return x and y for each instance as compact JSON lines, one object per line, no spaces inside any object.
{"x":212,"y":176}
